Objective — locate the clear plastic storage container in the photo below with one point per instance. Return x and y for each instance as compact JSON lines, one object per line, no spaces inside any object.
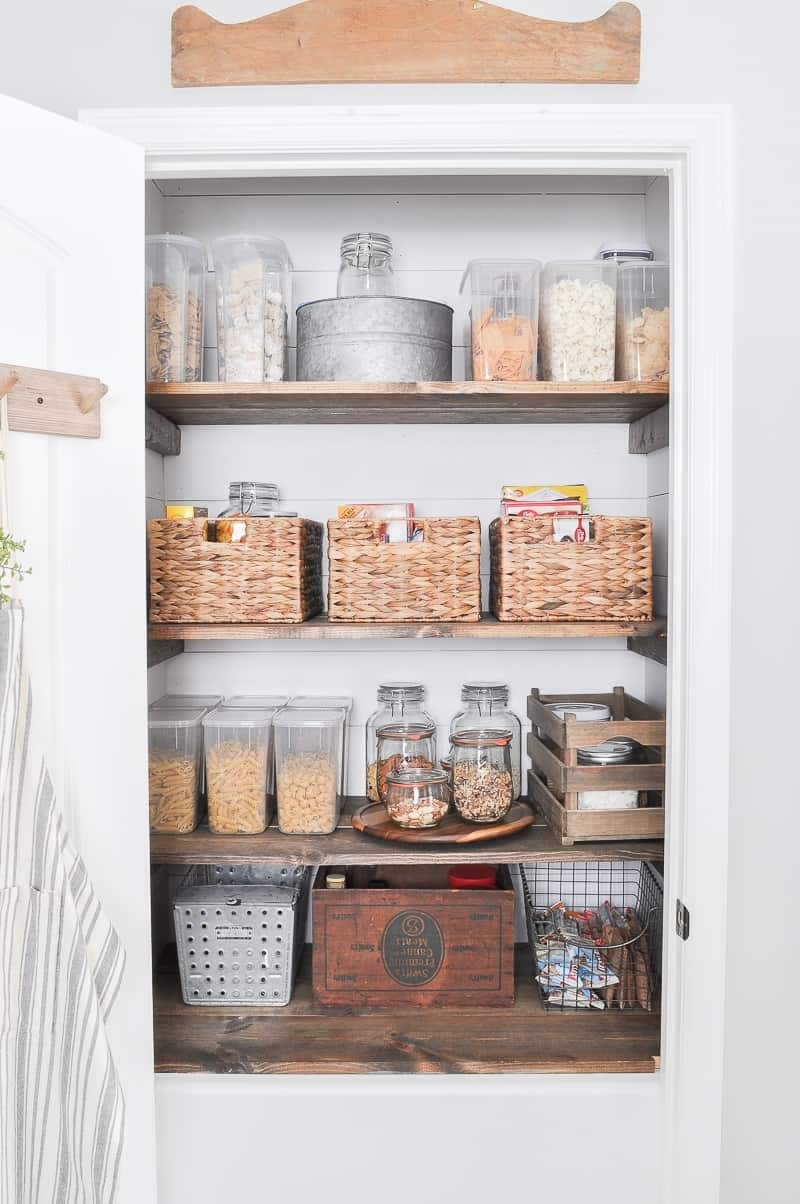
{"x":396,"y":700}
{"x":308,"y":769}
{"x":253,"y":303}
{"x":578,"y":320}
{"x":403,"y":746}
{"x":238,"y":751}
{"x":328,"y":702}
{"x":643,"y":321}
{"x":175,"y":288}
{"x":257,"y":702}
{"x":504,"y":317}
{"x":417,"y":798}
{"x":486,"y":706}
{"x":366,"y":267}
{"x":184,"y":702}
{"x":483,"y":787}
{"x":174,"y":769}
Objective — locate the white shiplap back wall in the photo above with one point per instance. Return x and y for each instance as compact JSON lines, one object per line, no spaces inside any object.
{"x":436,"y":225}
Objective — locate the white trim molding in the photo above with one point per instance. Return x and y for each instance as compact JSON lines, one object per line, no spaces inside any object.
{"x":692,"y":145}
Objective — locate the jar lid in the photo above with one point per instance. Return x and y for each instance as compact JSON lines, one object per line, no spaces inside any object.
{"x":335,"y":881}
{"x":584,"y":712}
{"x":368,"y":241}
{"x":625,"y":253}
{"x":258,"y":489}
{"x":476,"y":691}
{"x":610,"y":752}
{"x":273,"y":251}
{"x":408,"y":778}
{"x":472,"y":877}
{"x":481,"y":738}
{"x":406,"y":731}
{"x":401,"y":691}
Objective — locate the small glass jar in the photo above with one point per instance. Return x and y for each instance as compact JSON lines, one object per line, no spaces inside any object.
{"x":578,"y":320}
{"x":486,"y":706}
{"x":618,"y":751}
{"x":253,"y":302}
{"x":504,"y":317}
{"x":643,"y":321}
{"x":246,"y":499}
{"x":417,"y":798}
{"x":404,"y":746}
{"x":483,"y":787}
{"x":366,"y":268}
{"x":397,"y":700}
{"x":175,"y":288}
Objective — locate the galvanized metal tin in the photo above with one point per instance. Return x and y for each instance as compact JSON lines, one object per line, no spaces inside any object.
{"x":374,"y":339}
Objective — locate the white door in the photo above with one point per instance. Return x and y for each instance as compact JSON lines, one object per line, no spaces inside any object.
{"x":71,"y":234}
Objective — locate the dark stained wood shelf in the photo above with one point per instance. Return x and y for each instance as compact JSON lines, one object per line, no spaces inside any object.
{"x":345,"y":846}
{"x":210,"y":403}
{"x":321,"y":628}
{"x":304,"y":1038}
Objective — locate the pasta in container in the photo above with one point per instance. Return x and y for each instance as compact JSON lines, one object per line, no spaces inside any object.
{"x":174,"y":769}
{"x":238,"y":749}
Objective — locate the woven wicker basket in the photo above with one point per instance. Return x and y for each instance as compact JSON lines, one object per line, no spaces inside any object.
{"x":608,"y":579}
{"x":436,"y":579}
{"x":274,"y":575}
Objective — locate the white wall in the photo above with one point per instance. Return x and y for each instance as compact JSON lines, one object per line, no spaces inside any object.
{"x":716,"y":51}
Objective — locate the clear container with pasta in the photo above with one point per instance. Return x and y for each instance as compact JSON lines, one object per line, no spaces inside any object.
{"x":238,"y":747}
{"x":308,"y":769}
{"x":175,"y":289}
{"x":174,"y":769}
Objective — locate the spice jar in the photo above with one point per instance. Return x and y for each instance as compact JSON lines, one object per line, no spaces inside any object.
{"x":397,"y":700}
{"x":417,"y":798}
{"x":504,"y":317}
{"x":253,"y":301}
{"x":175,"y":285}
{"x":482,"y":783}
{"x":366,"y":268}
{"x":578,"y":320}
{"x":619,"y":751}
{"x":404,"y":746}
{"x":643,"y":321}
{"x":486,"y":706}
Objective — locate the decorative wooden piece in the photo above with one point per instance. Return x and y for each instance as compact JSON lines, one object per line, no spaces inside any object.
{"x":52,"y":403}
{"x":373,"y":820}
{"x":404,"y":41}
{"x":212,"y":403}
{"x":415,"y":942}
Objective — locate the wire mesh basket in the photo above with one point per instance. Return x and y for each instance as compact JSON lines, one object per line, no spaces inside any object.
{"x":239,"y":932}
{"x":594,"y":929}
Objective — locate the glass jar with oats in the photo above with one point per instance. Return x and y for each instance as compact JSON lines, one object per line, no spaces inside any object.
{"x":643,"y":321}
{"x":175,"y":284}
{"x":397,"y":701}
{"x":238,"y":749}
{"x":483,"y":786}
{"x":174,"y":738}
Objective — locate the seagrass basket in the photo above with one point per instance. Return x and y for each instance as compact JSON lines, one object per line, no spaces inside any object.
{"x":610,"y":578}
{"x":272,"y":575}
{"x":437,"y":579}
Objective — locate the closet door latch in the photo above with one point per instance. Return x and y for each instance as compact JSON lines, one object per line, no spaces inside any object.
{"x":682,"y":920}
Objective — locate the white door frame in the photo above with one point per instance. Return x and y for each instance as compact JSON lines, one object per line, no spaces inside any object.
{"x":692,"y":145}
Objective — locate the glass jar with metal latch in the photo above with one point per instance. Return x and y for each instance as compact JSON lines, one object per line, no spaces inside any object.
{"x":366,"y":267}
{"x":404,"y":746}
{"x":246,"y":499}
{"x":483,"y":786}
{"x":417,"y":798}
{"x":486,"y":706}
{"x":397,"y":700}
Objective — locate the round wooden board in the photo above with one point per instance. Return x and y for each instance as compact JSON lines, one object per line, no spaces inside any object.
{"x":373,"y":819}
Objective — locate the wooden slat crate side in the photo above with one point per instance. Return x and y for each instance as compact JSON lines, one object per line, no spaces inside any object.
{"x":639,"y":823}
{"x":642,"y":722}
{"x":567,"y":778}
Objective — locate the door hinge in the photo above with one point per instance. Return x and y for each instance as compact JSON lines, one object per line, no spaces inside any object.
{"x":682,"y":920}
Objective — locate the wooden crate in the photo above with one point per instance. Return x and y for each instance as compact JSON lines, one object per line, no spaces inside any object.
{"x":556,"y":777}
{"x":417,"y":943}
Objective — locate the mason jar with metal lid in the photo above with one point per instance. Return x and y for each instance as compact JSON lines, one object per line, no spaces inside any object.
{"x":618,"y":751}
{"x":486,"y":706}
{"x":366,"y":268}
{"x":417,"y":798}
{"x":483,"y":785}
{"x":251,"y":499}
{"x":397,"y":700}
{"x":583,"y":712}
{"x":404,"y":746}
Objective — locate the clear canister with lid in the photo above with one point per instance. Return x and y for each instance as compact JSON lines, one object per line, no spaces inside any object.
{"x":308,"y":769}
{"x":417,"y":798}
{"x":643,"y":321}
{"x":253,"y":302}
{"x":175,"y":279}
{"x":238,"y":748}
{"x":174,"y":768}
{"x":396,"y":700}
{"x":504,"y":317}
{"x":366,"y":268}
{"x":486,"y":706}
{"x":402,"y":746}
{"x":618,"y":751}
{"x":578,"y":320}
{"x":483,"y":787}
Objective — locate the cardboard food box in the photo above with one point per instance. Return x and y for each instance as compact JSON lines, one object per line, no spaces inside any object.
{"x":413,"y":942}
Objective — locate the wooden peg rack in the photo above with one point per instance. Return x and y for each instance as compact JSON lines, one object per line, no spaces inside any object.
{"x":52,"y":403}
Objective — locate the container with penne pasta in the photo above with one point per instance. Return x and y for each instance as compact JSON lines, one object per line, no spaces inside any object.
{"x":238,"y":751}
{"x":174,"y":768}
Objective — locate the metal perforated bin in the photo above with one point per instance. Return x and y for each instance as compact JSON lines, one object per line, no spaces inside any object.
{"x":578,"y":962}
{"x":240,"y":932}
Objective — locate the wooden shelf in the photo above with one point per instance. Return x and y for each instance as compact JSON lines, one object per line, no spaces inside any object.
{"x":304,"y":1038}
{"x":345,"y":846}
{"x":321,"y":628}
{"x":210,"y":403}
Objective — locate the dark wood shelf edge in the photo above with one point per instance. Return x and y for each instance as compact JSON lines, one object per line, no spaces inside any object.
{"x":650,"y":432}
{"x":159,"y":651}
{"x":304,"y":1038}
{"x":161,"y":435}
{"x":654,"y":647}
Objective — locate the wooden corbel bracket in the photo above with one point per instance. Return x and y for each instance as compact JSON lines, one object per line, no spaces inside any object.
{"x":52,"y":403}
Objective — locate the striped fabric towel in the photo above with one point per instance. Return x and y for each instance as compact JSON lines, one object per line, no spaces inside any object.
{"x":61,"y":1106}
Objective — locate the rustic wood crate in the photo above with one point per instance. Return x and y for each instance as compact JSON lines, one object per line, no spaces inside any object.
{"x":437,"y":579}
{"x":608,"y":579}
{"x":556,"y":777}
{"x":417,"y":943}
{"x":274,"y":575}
